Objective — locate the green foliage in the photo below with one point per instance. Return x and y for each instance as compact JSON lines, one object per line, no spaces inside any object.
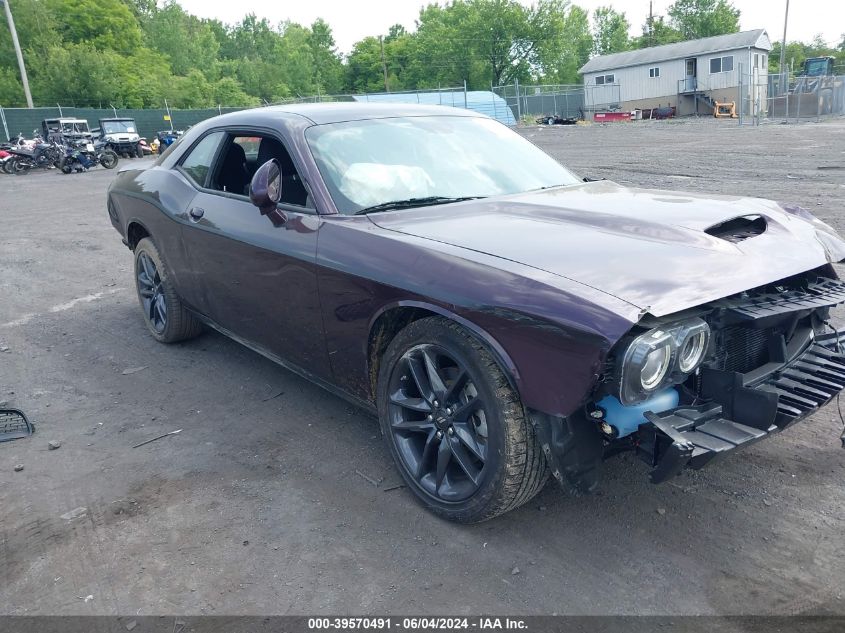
{"x":703,"y":18}
{"x":657,"y":33}
{"x":11,"y":88}
{"x":610,"y":31}
{"x":797,"y":52}
{"x":107,"y":25}
{"x":137,"y":53}
{"x":561,"y":58}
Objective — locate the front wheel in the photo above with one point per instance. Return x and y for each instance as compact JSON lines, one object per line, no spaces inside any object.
{"x":108,"y":159}
{"x":166,"y":317}
{"x":455,"y":427}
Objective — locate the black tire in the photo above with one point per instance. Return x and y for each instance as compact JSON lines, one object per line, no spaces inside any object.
{"x":139,"y":151}
{"x":507,"y":465}
{"x":178,"y":323}
{"x":108,"y":159}
{"x":19,"y":167}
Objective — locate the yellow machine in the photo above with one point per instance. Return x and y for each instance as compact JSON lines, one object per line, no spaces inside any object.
{"x":725,"y":110}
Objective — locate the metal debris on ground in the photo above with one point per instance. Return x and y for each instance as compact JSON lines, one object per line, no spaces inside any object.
{"x":158,"y":438}
{"x":53,"y":445}
{"x":370,"y":479}
{"x":394,"y":487}
{"x":14,"y":425}
{"x":18,"y":468}
{"x":133,"y":370}
{"x":276,"y":395}
{"x":74,"y":514}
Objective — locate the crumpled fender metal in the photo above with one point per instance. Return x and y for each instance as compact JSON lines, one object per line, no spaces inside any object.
{"x":573,"y":449}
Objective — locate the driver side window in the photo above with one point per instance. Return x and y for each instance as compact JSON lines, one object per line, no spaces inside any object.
{"x":241,"y":157}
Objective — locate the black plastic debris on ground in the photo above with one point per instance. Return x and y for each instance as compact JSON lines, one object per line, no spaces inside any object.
{"x":14,"y":425}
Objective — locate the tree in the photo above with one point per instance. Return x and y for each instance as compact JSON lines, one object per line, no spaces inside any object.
{"x":560,"y":59}
{"x":657,"y":33}
{"x":487,"y":41}
{"x":328,"y":66}
{"x":103,"y":24}
{"x":610,"y":31}
{"x":797,"y":52}
{"x":703,"y":18}
{"x":189,"y":42}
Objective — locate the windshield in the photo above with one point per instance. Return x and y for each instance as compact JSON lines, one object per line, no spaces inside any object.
{"x":75,"y":127}
{"x":119,"y":127}
{"x":368,"y":163}
{"x":816,"y":67}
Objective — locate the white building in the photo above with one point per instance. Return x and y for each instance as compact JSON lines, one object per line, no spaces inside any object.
{"x":688,"y":75}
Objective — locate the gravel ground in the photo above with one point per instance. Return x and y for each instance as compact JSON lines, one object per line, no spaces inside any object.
{"x":266,"y":501}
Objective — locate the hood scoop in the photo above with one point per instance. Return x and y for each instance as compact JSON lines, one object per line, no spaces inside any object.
{"x":738,"y":229}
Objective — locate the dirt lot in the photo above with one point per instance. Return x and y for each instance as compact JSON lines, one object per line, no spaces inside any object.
{"x":263,"y":504}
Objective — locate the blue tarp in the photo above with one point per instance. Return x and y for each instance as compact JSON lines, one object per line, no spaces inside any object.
{"x":482,"y":101}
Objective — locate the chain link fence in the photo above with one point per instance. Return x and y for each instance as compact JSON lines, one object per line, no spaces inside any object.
{"x":564,"y":101}
{"x":508,"y":103}
{"x":788,"y":98}
{"x":14,"y":121}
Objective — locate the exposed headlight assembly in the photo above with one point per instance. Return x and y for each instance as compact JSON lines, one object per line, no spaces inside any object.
{"x":662,"y":356}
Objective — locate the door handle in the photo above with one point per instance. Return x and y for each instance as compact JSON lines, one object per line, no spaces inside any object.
{"x":196,"y":213}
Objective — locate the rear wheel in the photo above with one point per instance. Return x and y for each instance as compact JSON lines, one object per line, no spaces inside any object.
{"x":455,"y":427}
{"x":166,"y":317}
{"x":17,"y":166}
{"x":108,"y":159}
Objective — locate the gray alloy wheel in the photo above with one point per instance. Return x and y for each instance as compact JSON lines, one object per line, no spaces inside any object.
{"x":166,"y":317}
{"x":456,"y":429}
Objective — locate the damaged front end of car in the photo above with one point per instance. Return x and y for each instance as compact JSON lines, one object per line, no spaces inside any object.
{"x":684,"y":390}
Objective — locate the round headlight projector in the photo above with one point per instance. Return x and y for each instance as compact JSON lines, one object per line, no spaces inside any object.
{"x":661,"y":356}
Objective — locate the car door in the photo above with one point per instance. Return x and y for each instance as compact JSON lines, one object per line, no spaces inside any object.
{"x":258,"y":277}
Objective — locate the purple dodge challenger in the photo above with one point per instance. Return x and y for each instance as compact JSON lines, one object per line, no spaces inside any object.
{"x":505,"y":319}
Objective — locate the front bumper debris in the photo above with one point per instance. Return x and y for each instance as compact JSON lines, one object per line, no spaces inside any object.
{"x":692,"y":436}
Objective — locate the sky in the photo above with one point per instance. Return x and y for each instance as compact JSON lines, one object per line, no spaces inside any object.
{"x":352,"y":20}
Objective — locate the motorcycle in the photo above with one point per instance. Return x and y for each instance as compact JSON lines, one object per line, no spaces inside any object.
{"x":5,"y":157}
{"x":81,"y":155}
{"x":39,"y":155}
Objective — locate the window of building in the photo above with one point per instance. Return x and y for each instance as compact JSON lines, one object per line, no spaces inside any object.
{"x":654,"y":72}
{"x":602,"y":80}
{"x":721,"y":64}
{"x":198,"y":161}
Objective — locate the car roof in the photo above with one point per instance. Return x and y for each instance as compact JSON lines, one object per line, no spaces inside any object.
{"x":322,"y":113}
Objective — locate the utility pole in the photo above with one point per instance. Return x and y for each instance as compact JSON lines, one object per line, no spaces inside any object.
{"x":650,"y":23}
{"x":18,"y":52}
{"x":783,"y":43}
{"x":383,"y":63}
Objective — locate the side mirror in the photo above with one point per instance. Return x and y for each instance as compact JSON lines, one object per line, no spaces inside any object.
{"x":265,"y":190}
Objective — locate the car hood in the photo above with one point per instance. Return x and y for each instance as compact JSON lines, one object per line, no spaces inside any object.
{"x":646,"y":247}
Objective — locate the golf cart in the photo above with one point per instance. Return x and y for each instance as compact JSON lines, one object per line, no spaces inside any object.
{"x":121,"y":136}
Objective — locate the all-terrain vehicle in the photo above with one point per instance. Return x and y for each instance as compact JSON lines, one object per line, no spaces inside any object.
{"x":63,"y":130}
{"x":121,"y":136}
